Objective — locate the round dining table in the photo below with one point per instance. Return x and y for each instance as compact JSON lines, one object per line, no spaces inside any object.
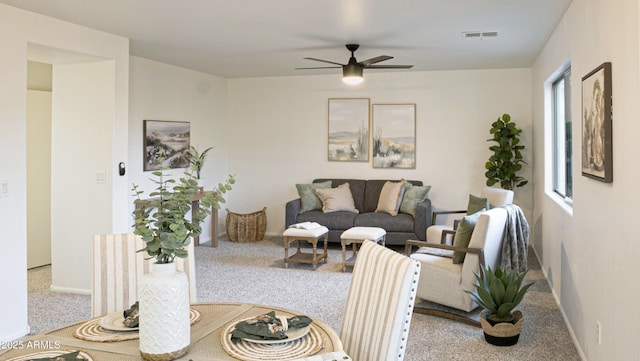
{"x":211,"y":326}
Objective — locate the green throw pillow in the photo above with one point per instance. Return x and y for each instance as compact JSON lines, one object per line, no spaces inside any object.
{"x":477,"y":204}
{"x":463,"y":235}
{"x":309,"y":200}
{"x":413,"y":195}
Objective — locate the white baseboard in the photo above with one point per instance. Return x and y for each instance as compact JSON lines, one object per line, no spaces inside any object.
{"x":564,"y":315}
{"x":270,"y":234}
{"x":80,"y":291}
{"x":14,"y":335}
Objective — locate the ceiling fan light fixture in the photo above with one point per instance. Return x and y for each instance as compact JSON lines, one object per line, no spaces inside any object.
{"x":352,"y":71}
{"x":352,"y":74}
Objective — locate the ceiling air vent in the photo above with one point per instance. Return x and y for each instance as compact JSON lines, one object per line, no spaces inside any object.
{"x":479,"y":35}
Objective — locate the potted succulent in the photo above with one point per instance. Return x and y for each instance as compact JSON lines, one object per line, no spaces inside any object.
{"x":499,"y":292}
{"x":505,"y":163}
{"x":163,"y":293}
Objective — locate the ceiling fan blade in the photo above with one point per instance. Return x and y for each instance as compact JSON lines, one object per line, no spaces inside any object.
{"x":320,"y":67}
{"x":377,"y":59}
{"x":389,"y":67}
{"x":324,"y":61}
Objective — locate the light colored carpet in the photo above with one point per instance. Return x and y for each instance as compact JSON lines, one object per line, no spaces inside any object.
{"x":254,"y":273}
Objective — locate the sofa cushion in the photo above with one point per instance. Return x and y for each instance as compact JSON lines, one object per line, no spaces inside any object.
{"x":309,"y":200}
{"x":390,"y":197}
{"x":340,"y":220}
{"x":372,"y":193}
{"x":413,"y":195}
{"x":336,"y":199}
{"x":357,"y":187}
{"x":401,"y":223}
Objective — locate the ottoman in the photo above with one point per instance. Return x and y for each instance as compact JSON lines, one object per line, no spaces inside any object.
{"x":355,"y":236}
{"x":310,"y":235}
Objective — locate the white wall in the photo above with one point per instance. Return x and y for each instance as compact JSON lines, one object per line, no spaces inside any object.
{"x":590,"y":256}
{"x":163,"y":92}
{"x":17,"y":30}
{"x":82,"y":124}
{"x":278,"y":133}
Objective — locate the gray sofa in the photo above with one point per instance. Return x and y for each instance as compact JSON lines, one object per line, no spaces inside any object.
{"x":365,"y":193}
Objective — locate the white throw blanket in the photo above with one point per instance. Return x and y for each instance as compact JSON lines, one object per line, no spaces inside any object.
{"x":515,"y":240}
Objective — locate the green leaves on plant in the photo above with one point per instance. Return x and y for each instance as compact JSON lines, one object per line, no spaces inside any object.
{"x":499,"y":292}
{"x":161,"y":222}
{"x":506,"y":160}
{"x":196,"y":159}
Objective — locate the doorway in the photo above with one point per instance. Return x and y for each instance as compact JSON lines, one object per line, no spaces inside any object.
{"x":80,"y":158}
{"x":39,"y":93}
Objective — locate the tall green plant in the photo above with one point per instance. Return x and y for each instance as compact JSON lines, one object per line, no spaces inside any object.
{"x":499,"y":292}
{"x":505,"y":163}
{"x":161,"y":222}
{"x":196,"y":159}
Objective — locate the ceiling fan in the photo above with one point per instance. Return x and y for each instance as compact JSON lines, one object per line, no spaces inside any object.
{"x":352,"y":71}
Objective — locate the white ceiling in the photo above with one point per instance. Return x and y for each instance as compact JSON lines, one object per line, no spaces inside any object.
{"x":256,"y":38}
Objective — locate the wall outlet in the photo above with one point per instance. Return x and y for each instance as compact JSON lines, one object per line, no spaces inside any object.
{"x":101,"y":177}
{"x":598,"y":333}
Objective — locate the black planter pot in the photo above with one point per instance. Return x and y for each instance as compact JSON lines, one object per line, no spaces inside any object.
{"x":501,"y":341}
{"x":502,"y":333}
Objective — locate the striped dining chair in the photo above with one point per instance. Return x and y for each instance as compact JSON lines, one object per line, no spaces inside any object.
{"x":379,"y":304}
{"x":118,"y":267}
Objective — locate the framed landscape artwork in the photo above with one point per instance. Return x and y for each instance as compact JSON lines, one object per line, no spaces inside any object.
{"x":348,"y":130}
{"x":596,"y":124}
{"x":166,"y":140}
{"x":394,"y":137}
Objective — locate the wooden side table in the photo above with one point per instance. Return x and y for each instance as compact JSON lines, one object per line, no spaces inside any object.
{"x":195,"y":208}
{"x":310,"y":235}
{"x":355,"y":236}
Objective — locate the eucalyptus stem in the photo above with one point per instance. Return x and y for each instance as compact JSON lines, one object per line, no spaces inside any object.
{"x":161,"y":220}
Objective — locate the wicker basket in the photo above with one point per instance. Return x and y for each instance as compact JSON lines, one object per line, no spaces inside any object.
{"x":246,"y":227}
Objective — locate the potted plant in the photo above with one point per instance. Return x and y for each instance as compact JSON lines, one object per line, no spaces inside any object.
{"x":505,"y":163}
{"x":499,"y":292}
{"x":161,"y":221}
{"x":196,"y":159}
{"x":163,"y":293}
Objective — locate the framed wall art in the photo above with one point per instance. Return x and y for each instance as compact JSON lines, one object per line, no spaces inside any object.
{"x":394,"y":135}
{"x":168,"y":138}
{"x":348,"y":130}
{"x":597,"y":162}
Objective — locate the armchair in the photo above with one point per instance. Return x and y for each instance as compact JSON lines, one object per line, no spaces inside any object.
{"x":443,"y":282}
{"x":443,"y":233}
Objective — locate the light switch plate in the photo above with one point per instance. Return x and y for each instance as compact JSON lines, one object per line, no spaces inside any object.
{"x":4,"y":188}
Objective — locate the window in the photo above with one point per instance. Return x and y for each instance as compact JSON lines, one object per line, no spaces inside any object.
{"x":562,"y":155}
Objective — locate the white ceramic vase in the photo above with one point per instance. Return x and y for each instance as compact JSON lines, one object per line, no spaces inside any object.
{"x":164,"y":313}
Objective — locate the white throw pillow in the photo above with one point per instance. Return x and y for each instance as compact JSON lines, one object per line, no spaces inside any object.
{"x":391,"y":197}
{"x":337,"y":199}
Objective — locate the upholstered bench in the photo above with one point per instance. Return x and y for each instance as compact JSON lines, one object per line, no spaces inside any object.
{"x":355,"y":236}
{"x":310,"y":235}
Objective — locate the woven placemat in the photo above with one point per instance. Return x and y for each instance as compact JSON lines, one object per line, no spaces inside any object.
{"x":307,"y":345}
{"x":92,"y":331}
{"x":44,"y":354}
